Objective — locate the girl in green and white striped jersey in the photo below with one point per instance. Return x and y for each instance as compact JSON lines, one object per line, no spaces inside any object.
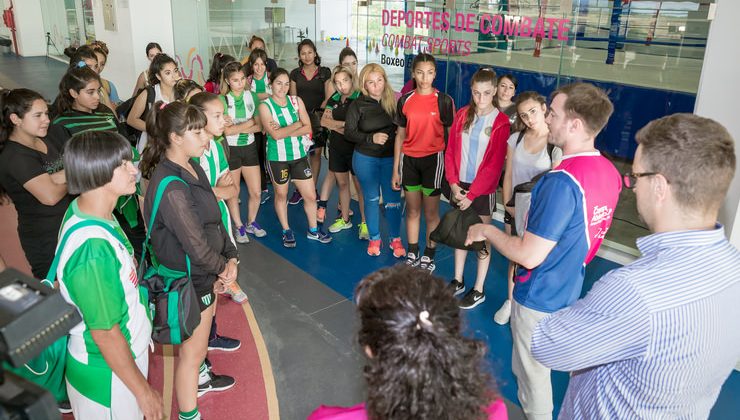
{"x":107,"y":359}
{"x":216,"y":167}
{"x":288,"y":131}
{"x":259,"y":78}
{"x":241,"y":125}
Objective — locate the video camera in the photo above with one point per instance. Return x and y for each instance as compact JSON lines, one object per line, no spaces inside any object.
{"x":32,"y":317}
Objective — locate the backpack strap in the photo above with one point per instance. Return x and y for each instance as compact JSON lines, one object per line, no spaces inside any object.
{"x":520,"y":138}
{"x":151,"y":96}
{"x":155,"y":208}
{"x":52,"y":274}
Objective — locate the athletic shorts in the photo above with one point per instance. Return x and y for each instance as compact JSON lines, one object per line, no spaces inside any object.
{"x":282,"y":172}
{"x":206,"y":299}
{"x":340,"y":161}
{"x":484,"y":205}
{"x":423,"y":174}
{"x":122,"y":401}
{"x":244,"y":156}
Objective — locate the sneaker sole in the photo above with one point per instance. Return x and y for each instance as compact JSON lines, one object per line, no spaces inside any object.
{"x":344,"y":227}
{"x":211,"y":389}
{"x":293,"y":204}
{"x":223,"y":349}
{"x":397,"y":255}
{"x":242,"y":240}
{"x":318,"y":240}
{"x":289,"y":245}
{"x":476,"y":303}
{"x":258,"y":234}
{"x":459,"y":292}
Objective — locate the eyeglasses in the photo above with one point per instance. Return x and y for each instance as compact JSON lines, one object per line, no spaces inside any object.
{"x":630,"y":178}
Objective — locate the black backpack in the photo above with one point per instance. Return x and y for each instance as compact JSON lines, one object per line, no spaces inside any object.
{"x":124,"y":109}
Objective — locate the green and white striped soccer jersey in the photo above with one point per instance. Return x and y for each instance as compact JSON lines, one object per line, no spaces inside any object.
{"x":97,"y":275}
{"x":240,"y":109}
{"x":291,"y":147}
{"x":215,"y":165}
{"x":260,"y":85}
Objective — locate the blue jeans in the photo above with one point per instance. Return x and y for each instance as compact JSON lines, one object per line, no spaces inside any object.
{"x":375,"y":174}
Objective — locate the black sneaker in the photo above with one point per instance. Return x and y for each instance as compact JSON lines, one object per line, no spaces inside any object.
{"x":224,"y":343}
{"x":64,"y":407}
{"x":412,"y":259}
{"x":427,"y":263}
{"x":216,"y":384}
{"x":457,"y":287}
{"x":472,"y":299}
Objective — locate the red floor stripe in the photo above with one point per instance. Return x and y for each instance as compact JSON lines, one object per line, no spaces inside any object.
{"x":247,"y":399}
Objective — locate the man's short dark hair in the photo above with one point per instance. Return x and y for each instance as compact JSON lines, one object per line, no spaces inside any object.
{"x":588,"y":103}
{"x":91,"y":157}
{"x":695,"y":154}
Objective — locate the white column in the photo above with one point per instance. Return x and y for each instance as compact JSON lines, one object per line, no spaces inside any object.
{"x":30,"y":32}
{"x":717,"y":96}
{"x":138,"y":22}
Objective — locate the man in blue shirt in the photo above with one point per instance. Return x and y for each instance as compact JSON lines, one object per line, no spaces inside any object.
{"x":571,"y":211}
{"x":658,"y":337}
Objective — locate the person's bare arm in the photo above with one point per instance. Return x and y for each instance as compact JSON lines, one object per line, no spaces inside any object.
{"x":48,"y":189}
{"x":225,"y":187}
{"x":528,"y":251}
{"x":134,"y":118}
{"x":117,"y":355}
{"x":272,"y":128}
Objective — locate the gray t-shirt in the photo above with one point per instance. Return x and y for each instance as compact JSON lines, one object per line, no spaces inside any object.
{"x":525,"y":165}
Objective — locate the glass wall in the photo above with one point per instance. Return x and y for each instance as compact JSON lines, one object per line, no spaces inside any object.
{"x":647,"y":55}
{"x":67,"y":23}
{"x":204,"y":27}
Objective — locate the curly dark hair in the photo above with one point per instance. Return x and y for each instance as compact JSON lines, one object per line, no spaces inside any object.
{"x":422,"y":367}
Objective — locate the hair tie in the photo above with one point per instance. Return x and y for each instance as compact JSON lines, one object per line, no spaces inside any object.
{"x":81,"y":64}
{"x":423,"y":319}
{"x":161,"y":107}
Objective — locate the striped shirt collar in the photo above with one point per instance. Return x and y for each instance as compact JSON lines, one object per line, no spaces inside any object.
{"x":657,"y":241}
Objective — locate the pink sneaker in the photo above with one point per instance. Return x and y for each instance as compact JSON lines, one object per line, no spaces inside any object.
{"x":397,"y":246}
{"x":373,"y":248}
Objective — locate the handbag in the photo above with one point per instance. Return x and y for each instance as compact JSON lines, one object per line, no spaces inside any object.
{"x":453,"y":229}
{"x":170,"y":293}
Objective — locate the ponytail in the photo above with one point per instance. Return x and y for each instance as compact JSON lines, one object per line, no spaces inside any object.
{"x":18,"y":102}
{"x":163,"y":120}
{"x":75,"y":79}
{"x":77,"y":56}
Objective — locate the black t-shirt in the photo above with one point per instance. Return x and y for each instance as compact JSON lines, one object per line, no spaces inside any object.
{"x":311,"y":91}
{"x":339,"y":113}
{"x":18,"y":165}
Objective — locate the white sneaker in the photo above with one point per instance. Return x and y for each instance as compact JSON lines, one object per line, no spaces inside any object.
{"x":503,"y":314}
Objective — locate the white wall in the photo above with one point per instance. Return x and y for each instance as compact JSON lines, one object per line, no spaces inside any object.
{"x":335,"y":18}
{"x":716,"y":96}
{"x":139,"y":22}
{"x":30,"y":28}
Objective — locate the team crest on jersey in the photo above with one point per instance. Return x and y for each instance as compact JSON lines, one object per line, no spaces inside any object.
{"x":488,"y":130}
{"x":307,"y":172}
